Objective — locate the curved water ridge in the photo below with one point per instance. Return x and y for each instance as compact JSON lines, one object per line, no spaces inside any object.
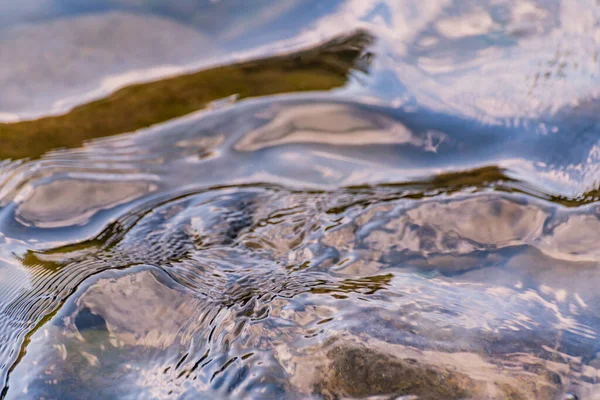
{"x":259,"y":249}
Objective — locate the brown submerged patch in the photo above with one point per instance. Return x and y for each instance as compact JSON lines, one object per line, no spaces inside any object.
{"x":137,"y":106}
{"x":358,"y":371}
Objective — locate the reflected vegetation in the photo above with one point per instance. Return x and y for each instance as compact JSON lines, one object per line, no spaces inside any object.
{"x":408,"y":218}
{"x":321,"y":68}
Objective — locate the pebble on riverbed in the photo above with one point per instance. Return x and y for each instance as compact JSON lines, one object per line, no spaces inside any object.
{"x":359,"y":370}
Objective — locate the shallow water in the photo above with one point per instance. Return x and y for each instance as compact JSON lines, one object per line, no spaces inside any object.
{"x":358,"y":199}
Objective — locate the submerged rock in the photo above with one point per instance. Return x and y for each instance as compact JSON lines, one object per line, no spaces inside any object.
{"x":357,"y":368}
{"x":359,"y":371}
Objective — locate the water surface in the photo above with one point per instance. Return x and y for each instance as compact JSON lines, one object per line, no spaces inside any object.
{"x":363,"y":199}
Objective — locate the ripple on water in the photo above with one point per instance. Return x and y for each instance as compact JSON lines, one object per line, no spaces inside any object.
{"x":182,"y":287}
{"x":424,"y":238}
{"x":233,"y":291}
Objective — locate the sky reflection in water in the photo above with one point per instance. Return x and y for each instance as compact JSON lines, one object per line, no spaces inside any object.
{"x":298,"y":199}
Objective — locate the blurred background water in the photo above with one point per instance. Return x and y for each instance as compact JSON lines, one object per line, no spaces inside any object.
{"x":299,"y":199}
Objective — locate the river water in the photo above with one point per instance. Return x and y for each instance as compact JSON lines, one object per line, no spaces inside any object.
{"x":300,"y":199}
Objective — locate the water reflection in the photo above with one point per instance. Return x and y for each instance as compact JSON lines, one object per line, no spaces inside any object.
{"x":199,"y":311}
{"x":333,"y":125}
{"x":72,"y":202}
{"x":321,"y":68}
{"x":111,"y":44}
{"x":355,"y":209}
